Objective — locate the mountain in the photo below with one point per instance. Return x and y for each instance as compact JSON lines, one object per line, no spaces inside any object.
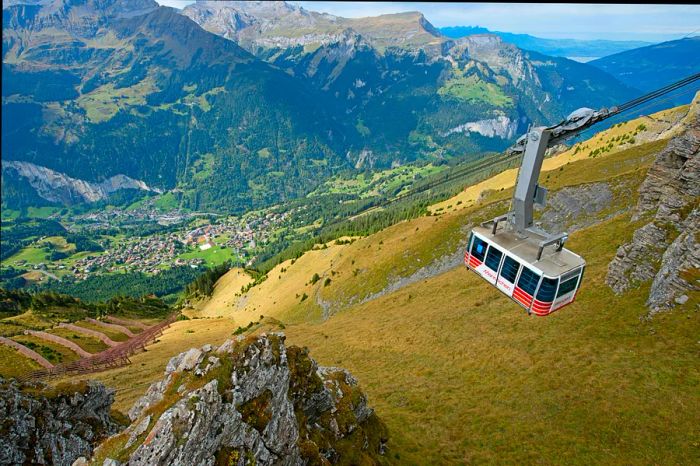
{"x":456,"y":370}
{"x":666,"y":250}
{"x":576,"y":49}
{"x":263,"y":24}
{"x":45,"y":424}
{"x":268,"y":104}
{"x":454,"y":96}
{"x":93,"y":90}
{"x":249,"y":401}
{"x":649,"y":68}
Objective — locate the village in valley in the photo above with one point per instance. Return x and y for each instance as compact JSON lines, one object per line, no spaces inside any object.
{"x":186,"y":239}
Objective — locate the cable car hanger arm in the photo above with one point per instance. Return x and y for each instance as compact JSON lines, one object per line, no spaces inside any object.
{"x":534,"y":144}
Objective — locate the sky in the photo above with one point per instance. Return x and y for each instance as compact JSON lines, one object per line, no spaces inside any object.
{"x":647,"y":22}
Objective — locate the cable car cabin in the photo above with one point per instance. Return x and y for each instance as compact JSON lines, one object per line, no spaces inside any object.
{"x":510,"y":264}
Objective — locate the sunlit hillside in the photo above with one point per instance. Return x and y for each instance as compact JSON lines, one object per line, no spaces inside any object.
{"x":459,"y":372}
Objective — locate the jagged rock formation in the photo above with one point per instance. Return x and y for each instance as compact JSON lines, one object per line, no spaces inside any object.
{"x":667,"y":248}
{"x":251,"y":401}
{"x":63,"y":189}
{"x":44,"y":425}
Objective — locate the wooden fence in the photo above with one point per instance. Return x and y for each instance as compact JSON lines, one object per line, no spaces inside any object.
{"x":115,"y":356}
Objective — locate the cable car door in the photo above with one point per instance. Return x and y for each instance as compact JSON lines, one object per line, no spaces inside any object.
{"x":478,"y":257}
{"x":507,"y":276}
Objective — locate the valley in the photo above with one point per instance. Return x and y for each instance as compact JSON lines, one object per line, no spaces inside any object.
{"x":456,"y":370}
{"x":235,"y":233}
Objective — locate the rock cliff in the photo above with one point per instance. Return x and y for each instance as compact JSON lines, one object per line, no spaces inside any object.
{"x":251,"y":401}
{"x":63,"y":189}
{"x":44,"y":425}
{"x":666,"y":249}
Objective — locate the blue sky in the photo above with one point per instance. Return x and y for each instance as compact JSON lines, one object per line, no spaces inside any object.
{"x":653,"y":23}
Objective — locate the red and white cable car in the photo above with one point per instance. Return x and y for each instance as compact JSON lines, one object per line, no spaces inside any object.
{"x":524,"y":262}
{"x":511,"y":264}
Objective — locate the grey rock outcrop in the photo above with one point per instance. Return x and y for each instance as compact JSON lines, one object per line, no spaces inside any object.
{"x":666,"y":249}
{"x":576,"y":207}
{"x":500,"y":127}
{"x":52,"y":425}
{"x":61,"y":188}
{"x":251,"y":401}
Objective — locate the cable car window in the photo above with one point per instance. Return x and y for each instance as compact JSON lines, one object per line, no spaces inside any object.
{"x":567,"y":275}
{"x":479,"y":248}
{"x":510,"y":269}
{"x":528,"y":281}
{"x":547,"y":289}
{"x":567,"y":286}
{"x":493,"y":259}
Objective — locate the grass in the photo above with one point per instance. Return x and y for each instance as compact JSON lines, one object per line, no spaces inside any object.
{"x":473,"y":89}
{"x":103,"y":103}
{"x":166,"y":202}
{"x":364,"y":186}
{"x":220,"y":302}
{"x":53,"y":352}
{"x":31,"y":255}
{"x":213,"y":256}
{"x":42,"y":212}
{"x":24,"y":321}
{"x":112,"y":334}
{"x":459,"y":372}
{"x":60,"y":244}
{"x":89,"y":344}
{"x":13,"y":364}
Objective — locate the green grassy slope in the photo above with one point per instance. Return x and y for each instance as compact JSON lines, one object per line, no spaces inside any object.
{"x":459,"y":373}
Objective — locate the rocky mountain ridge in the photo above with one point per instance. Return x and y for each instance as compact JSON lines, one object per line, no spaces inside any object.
{"x":52,"y":425}
{"x":372,"y":69}
{"x":250,"y":401}
{"x":278,"y":23}
{"x":60,"y":188}
{"x":666,"y":250}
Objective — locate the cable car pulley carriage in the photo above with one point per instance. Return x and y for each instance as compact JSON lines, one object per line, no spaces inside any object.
{"x":526,"y":263}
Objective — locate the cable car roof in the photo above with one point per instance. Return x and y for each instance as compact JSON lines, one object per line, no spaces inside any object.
{"x":552,"y":264}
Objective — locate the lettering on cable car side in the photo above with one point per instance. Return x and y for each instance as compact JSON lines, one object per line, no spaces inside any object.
{"x":505,"y":284}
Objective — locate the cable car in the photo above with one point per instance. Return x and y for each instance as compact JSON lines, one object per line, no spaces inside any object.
{"x":511,"y":264}
{"x":522,"y":261}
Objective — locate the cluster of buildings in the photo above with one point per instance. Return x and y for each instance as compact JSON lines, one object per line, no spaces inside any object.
{"x":145,"y":254}
{"x":141,"y":215}
{"x":152,"y":253}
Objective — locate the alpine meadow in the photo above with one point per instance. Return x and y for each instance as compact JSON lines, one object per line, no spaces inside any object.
{"x":355,"y":233}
